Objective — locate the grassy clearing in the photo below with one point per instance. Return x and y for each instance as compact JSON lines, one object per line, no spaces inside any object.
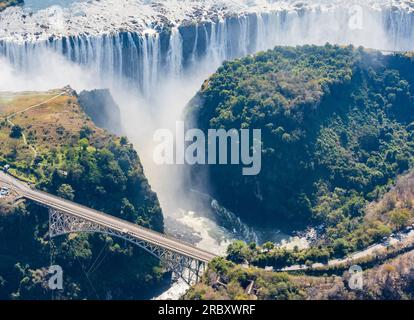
{"x":48,"y":127}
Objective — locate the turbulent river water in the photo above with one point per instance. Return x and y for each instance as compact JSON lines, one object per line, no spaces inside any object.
{"x":154,"y":71}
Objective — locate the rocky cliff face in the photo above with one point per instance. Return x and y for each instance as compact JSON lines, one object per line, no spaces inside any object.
{"x":152,"y":42}
{"x":101,"y":107}
{"x":328,"y":131}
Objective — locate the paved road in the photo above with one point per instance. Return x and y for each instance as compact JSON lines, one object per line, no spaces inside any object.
{"x":402,"y":237}
{"x":105,"y":220}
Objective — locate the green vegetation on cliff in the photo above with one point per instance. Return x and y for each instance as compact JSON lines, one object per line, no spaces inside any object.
{"x":63,"y":152}
{"x":225,"y":280}
{"x":337,"y":129}
{"x":392,"y":280}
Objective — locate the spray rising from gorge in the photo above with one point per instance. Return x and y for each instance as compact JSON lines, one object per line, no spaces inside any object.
{"x":154,"y":63}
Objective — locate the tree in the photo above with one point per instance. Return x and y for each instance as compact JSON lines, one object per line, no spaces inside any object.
{"x":85,"y":132}
{"x":220,"y":265}
{"x":16,"y":132}
{"x":340,"y":247}
{"x":66,"y":191}
{"x":84,"y":144}
{"x":123,"y":141}
{"x":399,"y":217}
{"x":127,"y":209}
{"x":268,"y":246}
{"x":238,"y":252}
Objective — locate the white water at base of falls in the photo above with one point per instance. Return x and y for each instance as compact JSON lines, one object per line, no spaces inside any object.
{"x":152,"y":76}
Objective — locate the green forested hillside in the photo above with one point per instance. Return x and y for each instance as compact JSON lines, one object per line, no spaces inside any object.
{"x":67,"y":155}
{"x":337,"y":136}
{"x":337,"y":128}
{"x":393,"y":280}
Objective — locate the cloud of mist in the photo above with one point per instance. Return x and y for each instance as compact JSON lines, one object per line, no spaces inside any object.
{"x":47,"y":70}
{"x":140,"y":116}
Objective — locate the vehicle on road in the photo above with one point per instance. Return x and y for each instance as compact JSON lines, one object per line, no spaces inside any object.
{"x":4,"y":191}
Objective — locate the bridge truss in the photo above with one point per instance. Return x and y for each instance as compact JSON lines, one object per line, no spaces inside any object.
{"x":181,"y":266}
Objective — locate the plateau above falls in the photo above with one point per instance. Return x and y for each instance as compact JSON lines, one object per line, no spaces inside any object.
{"x":147,"y":16}
{"x":145,"y":42}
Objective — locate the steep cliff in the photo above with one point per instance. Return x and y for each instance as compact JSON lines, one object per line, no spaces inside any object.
{"x":103,"y":110}
{"x":63,"y":152}
{"x":336,"y":129}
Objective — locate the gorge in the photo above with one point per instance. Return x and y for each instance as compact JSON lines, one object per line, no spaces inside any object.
{"x":154,"y":56}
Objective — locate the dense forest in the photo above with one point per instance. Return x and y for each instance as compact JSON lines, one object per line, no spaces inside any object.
{"x":392,"y":280}
{"x":80,"y":162}
{"x":337,"y":129}
{"x":337,"y":137}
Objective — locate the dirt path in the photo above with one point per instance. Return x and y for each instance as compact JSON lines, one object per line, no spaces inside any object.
{"x":27,"y":109}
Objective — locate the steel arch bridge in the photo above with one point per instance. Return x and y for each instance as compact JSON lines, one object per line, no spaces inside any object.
{"x":184,"y":260}
{"x":185,"y":267}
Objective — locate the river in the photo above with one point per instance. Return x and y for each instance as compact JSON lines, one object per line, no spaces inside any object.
{"x":36,"y":5}
{"x":152,"y":79}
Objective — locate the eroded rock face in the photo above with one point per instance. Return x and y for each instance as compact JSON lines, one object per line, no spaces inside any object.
{"x":150,"y":43}
{"x":109,"y":17}
{"x":101,"y":107}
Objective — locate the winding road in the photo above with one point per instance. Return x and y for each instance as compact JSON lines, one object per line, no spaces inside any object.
{"x":405,"y":237}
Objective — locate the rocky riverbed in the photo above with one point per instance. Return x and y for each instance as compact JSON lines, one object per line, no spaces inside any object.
{"x":109,"y":17}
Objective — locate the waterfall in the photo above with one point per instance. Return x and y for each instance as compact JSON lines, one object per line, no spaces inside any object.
{"x":175,"y":54}
{"x":261,"y":35}
{"x":194,"y":52}
{"x":150,"y":62}
{"x":244,"y":37}
{"x":232,"y":222}
{"x":146,"y":59}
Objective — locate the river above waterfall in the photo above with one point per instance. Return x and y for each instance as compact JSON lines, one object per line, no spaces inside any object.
{"x":155,"y":55}
{"x":153,"y":72}
{"x":75,"y":18}
{"x":36,"y":5}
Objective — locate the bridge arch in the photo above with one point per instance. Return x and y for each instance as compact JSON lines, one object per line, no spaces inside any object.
{"x":182,"y":266}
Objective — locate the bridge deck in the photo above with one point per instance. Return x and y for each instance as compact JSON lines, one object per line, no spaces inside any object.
{"x":106,"y":220}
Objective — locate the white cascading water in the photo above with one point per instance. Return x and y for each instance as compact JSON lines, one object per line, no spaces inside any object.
{"x":175,"y":54}
{"x":153,"y":74}
{"x":145,"y":62}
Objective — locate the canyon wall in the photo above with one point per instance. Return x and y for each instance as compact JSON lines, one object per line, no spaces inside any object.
{"x":145,"y":59}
